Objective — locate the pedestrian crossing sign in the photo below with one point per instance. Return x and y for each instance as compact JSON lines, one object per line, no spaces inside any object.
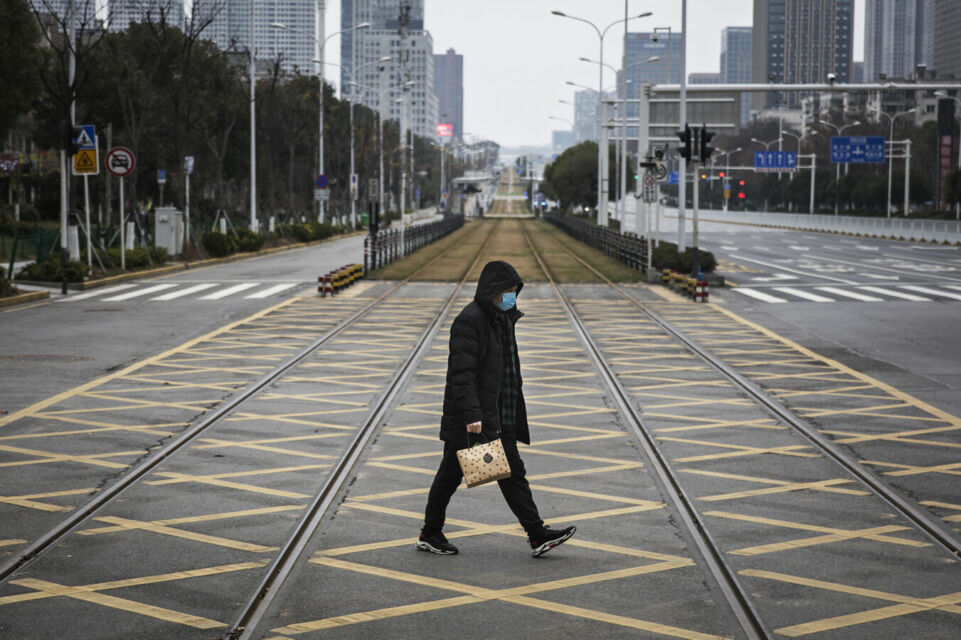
{"x":85,"y":163}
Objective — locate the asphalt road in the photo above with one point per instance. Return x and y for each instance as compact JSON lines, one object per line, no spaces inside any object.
{"x":50,"y":347}
{"x":888,"y":308}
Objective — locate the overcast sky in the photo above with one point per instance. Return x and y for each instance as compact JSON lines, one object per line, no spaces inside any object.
{"x":517,"y":56}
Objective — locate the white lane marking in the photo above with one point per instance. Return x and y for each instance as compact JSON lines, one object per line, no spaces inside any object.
{"x":782,"y":268}
{"x":878,"y":276}
{"x":933,"y":292}
{"x":896,"y":294}
{"x":98,"y":292}
{"x":760,"y":295}
{"x":799,"y":248}
{"x":801,"y":293}
{"x":774,"y":278}
{"x":277,"y":288}
{"x":140,"y":292}
{"x":954,"y":286}
{"x":729,"y":248}
{"x":229,"y":291}
{"x":850,"y":294}
{"x":185,"y":292}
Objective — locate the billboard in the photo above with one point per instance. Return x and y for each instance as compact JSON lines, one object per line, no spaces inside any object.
{"x":445,"y":130}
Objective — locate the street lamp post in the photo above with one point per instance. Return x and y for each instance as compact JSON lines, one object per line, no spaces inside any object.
{"x":601,"y":133}
{"x":319,"y":62}
{"x":890,"y":159}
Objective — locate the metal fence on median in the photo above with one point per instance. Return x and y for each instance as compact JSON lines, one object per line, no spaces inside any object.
{"x":386,"y":246}
{"x":938,"y":231}
{"x":627,"y":248}
{"x":33,"y":246}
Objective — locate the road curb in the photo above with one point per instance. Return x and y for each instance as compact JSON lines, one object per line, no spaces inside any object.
{"x":24,"y":297}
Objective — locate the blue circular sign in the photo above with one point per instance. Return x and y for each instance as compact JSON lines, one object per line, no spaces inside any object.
{"x":321,"y":181}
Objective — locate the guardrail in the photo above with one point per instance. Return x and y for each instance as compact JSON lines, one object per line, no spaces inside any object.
{"x":385,"y":247}
{"x":937,"y":231}
{"x":627,"y":248}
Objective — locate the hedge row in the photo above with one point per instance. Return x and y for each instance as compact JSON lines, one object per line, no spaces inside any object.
{"x":51,"y":271}
{"x":666,"y":256}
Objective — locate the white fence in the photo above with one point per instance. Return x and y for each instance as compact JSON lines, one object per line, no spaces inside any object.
{"x":937,"y":231}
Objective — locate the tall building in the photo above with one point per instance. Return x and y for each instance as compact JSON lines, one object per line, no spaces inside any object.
{"x":947,"y":44}
{"x":294,"y":47}
{"x":121,"y":13}
{"x":86,"y":10}
{"x":639,"y":47}
{"x":361,"y":51}
{"x":701,"y":77}
{"x":800,"y":41}
{"x":898,"y":37}
{"x":449,"y":89}
{"x":736,"y":62}
{"x":585,"y":116}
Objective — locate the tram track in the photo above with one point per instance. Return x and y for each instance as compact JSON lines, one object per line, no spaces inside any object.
{"x":724,"y":576}
{"x":247,"y":622}
{"x":920,"y":517}
{"x":21,"y":561}
{"x":931,"y":527}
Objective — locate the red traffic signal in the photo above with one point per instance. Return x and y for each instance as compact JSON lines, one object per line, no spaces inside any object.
{"x":741,"y":195}
{"x":721,"y":173}
{"x":741,"y":183}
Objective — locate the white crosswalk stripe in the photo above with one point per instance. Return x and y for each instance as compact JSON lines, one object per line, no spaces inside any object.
{"x":849,"y":294}
{"x":185,"y":292}
{"x":229,"y":291}
{"x":801,"y":293}
{"x":896,"y":294}
{"x":269,"y":291}
{"x":760,"y":295}
{"x":182,"y":290}
{"x":96,"y":292}
{"x":139,"y":292}
{"x":932,"y":292}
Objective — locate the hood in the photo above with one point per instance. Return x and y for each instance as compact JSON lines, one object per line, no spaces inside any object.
{"x":497,"y":276}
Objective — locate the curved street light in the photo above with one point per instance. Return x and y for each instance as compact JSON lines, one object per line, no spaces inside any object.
{"x":601,"y":153}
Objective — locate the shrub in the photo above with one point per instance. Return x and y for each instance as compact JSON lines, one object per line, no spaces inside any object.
{"x":666,"y":257}
{"x":248,"y":240}
{"x":217,"y":244}
{"x":50,"y":271}
{"x":6,"y":289}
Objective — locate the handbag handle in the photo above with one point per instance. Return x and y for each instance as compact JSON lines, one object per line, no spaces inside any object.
{"x":481,"y":435}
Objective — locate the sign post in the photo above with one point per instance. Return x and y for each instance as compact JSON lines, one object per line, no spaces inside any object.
{"x":121,"y":163}
{"x":188,"y":170}
{"x":86,"y":163}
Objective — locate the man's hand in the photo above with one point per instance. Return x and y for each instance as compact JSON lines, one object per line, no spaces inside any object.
{"x":474,"y":427}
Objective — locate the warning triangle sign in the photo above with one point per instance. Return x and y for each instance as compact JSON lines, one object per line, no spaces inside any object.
{"x":83,"y":139}
{"x":85,"y":162}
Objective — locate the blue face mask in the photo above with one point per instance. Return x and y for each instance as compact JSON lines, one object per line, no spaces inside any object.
{"x":508,"y":300}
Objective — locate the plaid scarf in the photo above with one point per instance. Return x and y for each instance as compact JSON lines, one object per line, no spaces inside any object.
{"x":510,"y":387}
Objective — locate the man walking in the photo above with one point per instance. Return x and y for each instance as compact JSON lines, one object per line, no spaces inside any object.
{"x":483,"y":396}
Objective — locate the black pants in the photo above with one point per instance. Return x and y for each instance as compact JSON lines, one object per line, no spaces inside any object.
{"x":516,"y":490}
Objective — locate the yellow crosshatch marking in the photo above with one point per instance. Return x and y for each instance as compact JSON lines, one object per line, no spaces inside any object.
{"x":775,"y":486}
{"x":91,"y":593}
{"x":906,"y":604}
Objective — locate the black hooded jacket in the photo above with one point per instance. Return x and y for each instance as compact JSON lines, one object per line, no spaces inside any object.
{"x":475,"y":364}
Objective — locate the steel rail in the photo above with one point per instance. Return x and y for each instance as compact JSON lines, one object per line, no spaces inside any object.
{"x":56,"y":533}
{"x":921,"y":518}
{"x":724,"y":576}
{"x":248,"y":621}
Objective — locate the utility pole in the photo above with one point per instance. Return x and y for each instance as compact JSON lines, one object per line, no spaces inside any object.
{"x":403,"y":21}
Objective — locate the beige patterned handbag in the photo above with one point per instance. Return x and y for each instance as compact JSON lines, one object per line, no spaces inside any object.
{"x":483,"y":463}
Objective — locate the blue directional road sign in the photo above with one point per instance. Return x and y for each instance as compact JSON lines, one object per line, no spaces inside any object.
{"x":672,"y":177}
{"x":857,"y":149}
{"x":775,"y":161}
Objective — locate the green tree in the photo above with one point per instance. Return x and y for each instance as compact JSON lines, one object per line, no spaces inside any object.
{"x":19,"y":61}
{"x":572,"y":178}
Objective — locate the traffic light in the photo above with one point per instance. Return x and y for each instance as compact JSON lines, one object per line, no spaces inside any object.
{"x":721,"y":174}
{"x":685,"y":137}
{"x":704,"y":153}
